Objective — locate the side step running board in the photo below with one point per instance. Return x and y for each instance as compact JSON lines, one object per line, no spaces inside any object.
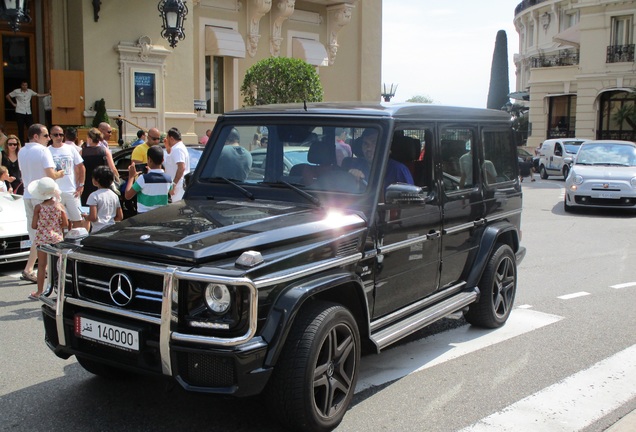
{"x":393,"y":333}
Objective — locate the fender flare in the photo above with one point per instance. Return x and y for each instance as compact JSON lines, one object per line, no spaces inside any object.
{"x":284,"y":310}
{"x":489,"y":239}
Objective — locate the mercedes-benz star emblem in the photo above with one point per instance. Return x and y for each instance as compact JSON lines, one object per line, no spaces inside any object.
{"x":121,"y":289}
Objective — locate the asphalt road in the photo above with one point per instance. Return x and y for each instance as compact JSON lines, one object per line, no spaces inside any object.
{"x":566,"y":360}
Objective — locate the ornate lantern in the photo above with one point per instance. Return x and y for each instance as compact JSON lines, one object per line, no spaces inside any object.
{"x":16,"y":12}
{"x":173,"y":13}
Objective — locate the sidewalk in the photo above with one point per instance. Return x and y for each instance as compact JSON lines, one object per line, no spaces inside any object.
{"x":626,"y":424}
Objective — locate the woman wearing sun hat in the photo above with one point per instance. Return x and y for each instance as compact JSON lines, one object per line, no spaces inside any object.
{"x":49,"y":221}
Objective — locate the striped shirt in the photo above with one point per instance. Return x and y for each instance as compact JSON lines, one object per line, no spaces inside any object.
{"x":152,"y":190}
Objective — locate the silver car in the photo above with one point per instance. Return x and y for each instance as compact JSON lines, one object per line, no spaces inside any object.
{"x":603,"y":175}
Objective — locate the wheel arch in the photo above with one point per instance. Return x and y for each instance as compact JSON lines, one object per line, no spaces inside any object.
{"x":501,"y":232}
{"x":342,"y":288}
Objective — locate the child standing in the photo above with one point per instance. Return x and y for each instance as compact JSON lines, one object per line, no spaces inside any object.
{"x":105,"y":208}
{"x":5,"y":179}
{"x":49,"y":221}
{"x":151,"y":188}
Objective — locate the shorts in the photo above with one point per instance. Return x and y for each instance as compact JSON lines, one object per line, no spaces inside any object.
{"x":72,"y":205}
{"x":29,"y":206}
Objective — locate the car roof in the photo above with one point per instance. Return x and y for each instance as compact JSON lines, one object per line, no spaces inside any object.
{"x":404,"y":111}
{"x":610,"y":142}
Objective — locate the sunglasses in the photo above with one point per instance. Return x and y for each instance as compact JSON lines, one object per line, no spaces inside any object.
{"x":110,"y":131}
{"x":154,"y":138}
{"x":57,"y":134}
{"x":46,"y":135}
{"x":12,"y":144}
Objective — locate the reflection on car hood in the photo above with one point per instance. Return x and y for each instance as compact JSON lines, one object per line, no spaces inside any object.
{"x":200,"y":230}
{"x":12,"y":215}
{"x":605,"y":172}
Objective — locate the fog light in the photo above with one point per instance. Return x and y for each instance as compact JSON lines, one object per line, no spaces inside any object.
{"x":218,"y":298}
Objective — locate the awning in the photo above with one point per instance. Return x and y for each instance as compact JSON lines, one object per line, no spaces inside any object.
{"x":520,"y":95}
{"x":570,"y":36}
{"x":224,"y":42}
{"x":313,"y":52}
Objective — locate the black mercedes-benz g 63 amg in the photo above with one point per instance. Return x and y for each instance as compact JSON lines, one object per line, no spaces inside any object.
{"x":354,"y":227}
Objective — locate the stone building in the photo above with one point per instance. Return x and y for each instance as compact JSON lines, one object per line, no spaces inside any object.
{"x":576,"y":68}
{"x":86,"y":50}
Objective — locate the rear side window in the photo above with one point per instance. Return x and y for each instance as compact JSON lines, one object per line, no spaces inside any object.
{"x":458,"y":161}
{"x":500,"y":157}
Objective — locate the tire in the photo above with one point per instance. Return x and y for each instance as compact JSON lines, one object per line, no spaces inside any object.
{"x":314,"y":380}
{"x":567,"y":208}
{"x":102,"y":370}
{"x":543,"y":172}
{"x":566,"y":171}
{"x":498,"y":286}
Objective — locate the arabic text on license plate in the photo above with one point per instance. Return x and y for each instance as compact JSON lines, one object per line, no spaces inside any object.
{"x":25,"y":244}
{"x":98,"y":331}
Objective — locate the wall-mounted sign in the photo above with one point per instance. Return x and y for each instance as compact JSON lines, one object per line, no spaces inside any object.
{"x":144,"y":90}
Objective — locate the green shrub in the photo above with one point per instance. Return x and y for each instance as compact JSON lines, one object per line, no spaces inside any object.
{"x":281,"y":80}
{"x":100,"y":113}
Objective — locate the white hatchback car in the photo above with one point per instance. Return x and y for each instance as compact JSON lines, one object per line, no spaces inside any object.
{"x":603,"y":175}
{"x":14,"y":239}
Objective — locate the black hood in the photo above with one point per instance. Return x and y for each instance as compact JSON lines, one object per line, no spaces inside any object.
{"x":196,"y":231}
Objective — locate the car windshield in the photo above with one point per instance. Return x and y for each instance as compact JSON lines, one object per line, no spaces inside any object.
{"x":335,"y":158}
{"x":572,"y":148}
{"x":607,"y":154}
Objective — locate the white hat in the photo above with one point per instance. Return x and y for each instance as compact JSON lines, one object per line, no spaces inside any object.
{"x":43,"y":189}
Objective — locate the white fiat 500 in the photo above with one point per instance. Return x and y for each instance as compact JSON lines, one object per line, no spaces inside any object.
{"x":603,"y":175}
{"x":14,"y":239}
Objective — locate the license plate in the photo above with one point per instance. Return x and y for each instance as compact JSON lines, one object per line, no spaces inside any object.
{"x":605,"y":195}
{"x":107,"y":334}
{"x":25,"y":244}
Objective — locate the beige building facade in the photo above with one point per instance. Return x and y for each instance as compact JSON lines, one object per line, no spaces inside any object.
{"x":576,"y":68}
{"x":85,"y":51}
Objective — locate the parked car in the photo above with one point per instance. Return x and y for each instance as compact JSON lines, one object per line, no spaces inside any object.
{"x":274,"y":285}
{"x":553,"y":153}
{"x":14,"y":238}
{"x":292,"y":155}
{"x":603,"y":175}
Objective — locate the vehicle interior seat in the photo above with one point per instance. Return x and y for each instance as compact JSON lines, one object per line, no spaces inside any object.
{"x":321,"y":159}
{"x":405,"y":149}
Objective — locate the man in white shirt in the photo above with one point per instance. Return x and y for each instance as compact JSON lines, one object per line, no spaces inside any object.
{"x":68,"y":159}
{"x":176,"y":162}
{"x":22,"y":105}
{"x":36,"y":162}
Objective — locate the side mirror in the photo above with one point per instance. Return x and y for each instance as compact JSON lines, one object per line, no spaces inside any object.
{"x":568,"y":160}
{"x":404,"y":193}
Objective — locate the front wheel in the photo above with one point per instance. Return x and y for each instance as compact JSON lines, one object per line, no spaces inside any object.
{"x":566,"y":172}
{"x":315,"y":378}
{"x":498,"y":286}
{"x":543,"y":172}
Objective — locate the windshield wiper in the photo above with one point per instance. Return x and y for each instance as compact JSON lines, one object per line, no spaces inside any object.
{"x":314,"y":200}
{"x":241,"y":189}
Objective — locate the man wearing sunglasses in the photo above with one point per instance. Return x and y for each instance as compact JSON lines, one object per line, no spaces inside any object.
{"x":35,"y":162}
{"x":68,"y":159}
{"x":140,"y":153}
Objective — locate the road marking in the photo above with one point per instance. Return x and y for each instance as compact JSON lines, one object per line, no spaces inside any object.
{"x":525,"y":306}
{"x":425,"y":353}
{"x":573,"y":295}
{"x":573,"y":403}
{"x":624,"y":285}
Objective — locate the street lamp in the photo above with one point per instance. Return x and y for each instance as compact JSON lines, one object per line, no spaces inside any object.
{"x":16,"y":12}
{"x":173,"y":13}
{"x":387,"y":95}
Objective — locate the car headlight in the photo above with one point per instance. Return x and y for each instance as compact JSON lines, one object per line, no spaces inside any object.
{"x":578,"y":179}
{"x":218,"y":298}
{"x":633,"y":182}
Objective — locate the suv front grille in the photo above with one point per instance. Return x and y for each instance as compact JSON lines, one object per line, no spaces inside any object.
{"x":93,"y":283}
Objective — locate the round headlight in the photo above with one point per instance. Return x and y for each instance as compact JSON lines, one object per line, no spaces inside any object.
{"x":633,"y":182}
{"x":578,"y":179}
{"x":218,"y":298}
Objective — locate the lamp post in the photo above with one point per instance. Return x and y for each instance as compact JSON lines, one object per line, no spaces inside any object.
{"x":387,"y":95}
{"x":16,"y":12}
{"x":173,"y":13}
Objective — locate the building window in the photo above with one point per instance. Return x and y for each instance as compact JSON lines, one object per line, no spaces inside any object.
{"x":530,"y":35}
{"x":621,"y":47}
{"x":569,"y":18}
{"x":617,"y":116}
{"x":562,"y":117}
{"x":214,"y":88}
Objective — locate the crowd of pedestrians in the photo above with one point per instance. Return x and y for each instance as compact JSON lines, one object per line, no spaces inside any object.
{"x":66,"y":184}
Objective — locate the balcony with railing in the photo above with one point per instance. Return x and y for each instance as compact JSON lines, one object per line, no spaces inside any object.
{"x":525,"y":4}
{"x":620,"y":54}
{"x":563,"y":58}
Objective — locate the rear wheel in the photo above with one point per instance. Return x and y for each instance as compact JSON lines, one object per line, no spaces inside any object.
{"x":314,"y":380}
{"x":543,"y":172}
{"x":498,"y":287}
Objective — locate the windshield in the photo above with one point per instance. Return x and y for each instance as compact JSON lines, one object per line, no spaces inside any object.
{"x":607,"y":154}
{"x":335,"y":158}
{"x":572,"y":148}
